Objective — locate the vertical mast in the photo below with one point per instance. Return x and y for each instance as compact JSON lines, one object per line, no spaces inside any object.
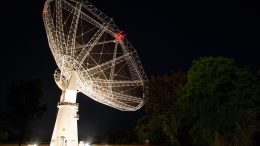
{"x":65,"y":132}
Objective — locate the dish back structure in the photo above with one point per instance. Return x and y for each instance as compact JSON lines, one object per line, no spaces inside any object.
{"x":84,"y":40}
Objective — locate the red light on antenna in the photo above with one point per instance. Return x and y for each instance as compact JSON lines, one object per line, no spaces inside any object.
{"x":45,"y":10}
{"x":119,"y":36}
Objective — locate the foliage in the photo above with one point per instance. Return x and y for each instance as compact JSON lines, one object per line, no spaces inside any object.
{"x":219,"y":99}
{"x":120,"y":137}
{"x":24,"y":99}
{"x":159,"y":126}
{"x":3,"y":136}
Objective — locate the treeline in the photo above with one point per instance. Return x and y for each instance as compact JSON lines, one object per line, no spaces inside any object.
{"x":216,"y":103}
{"x":23,"y":104}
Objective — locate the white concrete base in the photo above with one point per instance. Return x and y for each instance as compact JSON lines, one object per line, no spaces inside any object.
{"x":65,"y":132}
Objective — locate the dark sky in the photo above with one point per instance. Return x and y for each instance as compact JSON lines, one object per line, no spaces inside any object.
{"x":167,"y":35}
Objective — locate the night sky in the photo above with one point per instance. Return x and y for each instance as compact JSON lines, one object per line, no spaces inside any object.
{"x":167,"y":35}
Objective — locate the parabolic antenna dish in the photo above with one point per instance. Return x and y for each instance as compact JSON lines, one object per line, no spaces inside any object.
{"x":84,"y":40}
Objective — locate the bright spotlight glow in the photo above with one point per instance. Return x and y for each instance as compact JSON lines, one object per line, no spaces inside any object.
{"x":84,"y":143}
{"x":33,"y":144}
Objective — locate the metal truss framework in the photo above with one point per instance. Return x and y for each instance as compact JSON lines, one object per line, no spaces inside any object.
{"x":83,"y":39}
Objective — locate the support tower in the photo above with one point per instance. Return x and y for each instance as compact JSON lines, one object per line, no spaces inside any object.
{"x":65,"y":132}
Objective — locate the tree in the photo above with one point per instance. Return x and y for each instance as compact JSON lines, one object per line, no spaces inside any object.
{"x":3,"y":135}
{"x":25,"y":101}
{"x":159,"y":125}
{"x":219,"y":101}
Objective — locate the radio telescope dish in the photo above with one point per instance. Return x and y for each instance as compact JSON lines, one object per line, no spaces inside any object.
{"x":84,"y":41}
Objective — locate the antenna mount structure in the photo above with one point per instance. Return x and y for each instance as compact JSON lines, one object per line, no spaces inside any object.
{"x":95,"y":58}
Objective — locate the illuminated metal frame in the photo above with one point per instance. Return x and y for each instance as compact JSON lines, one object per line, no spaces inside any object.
{"x":64,"y":45}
